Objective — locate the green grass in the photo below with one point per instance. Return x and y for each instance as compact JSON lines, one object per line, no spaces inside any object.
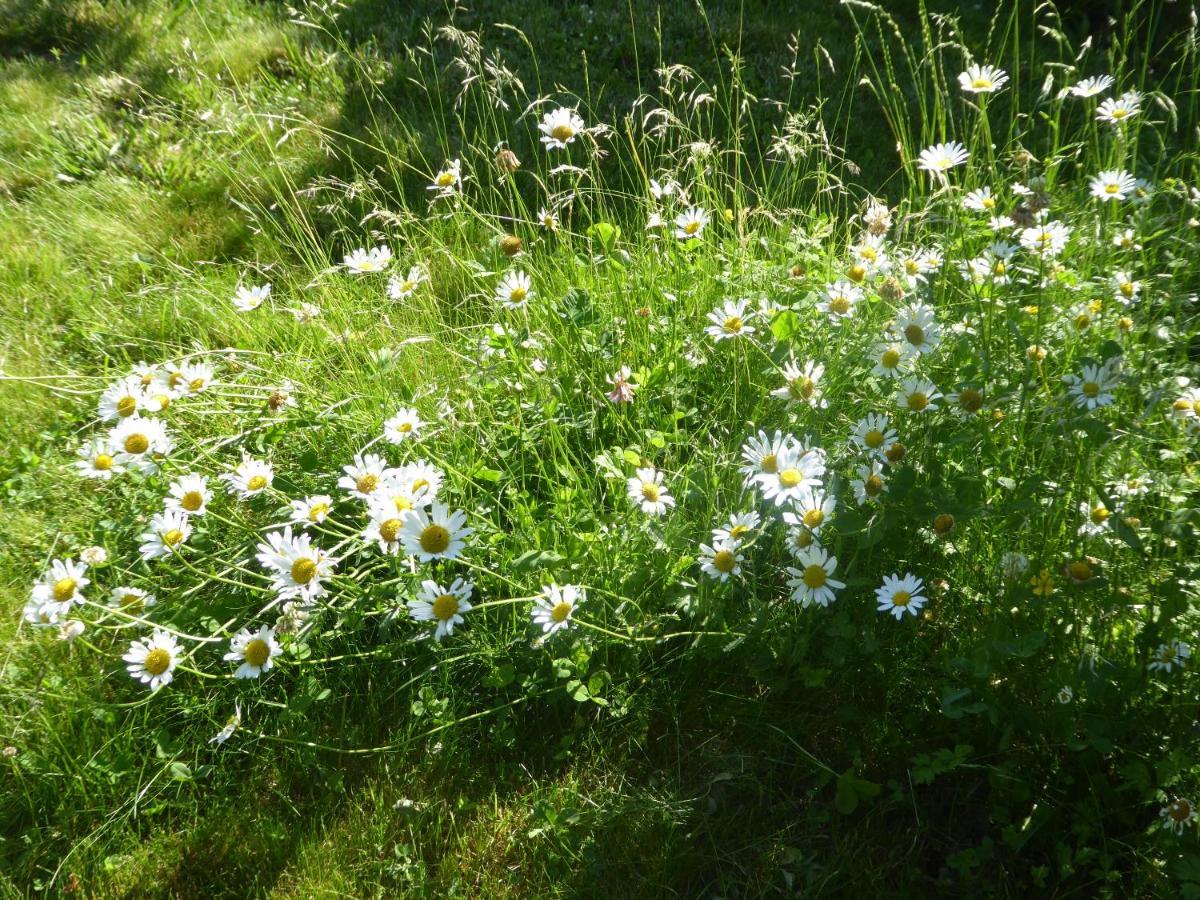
{"x":686,"y":738}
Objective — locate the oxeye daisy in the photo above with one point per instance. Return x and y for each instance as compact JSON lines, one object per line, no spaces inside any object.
{"x":940,"y":158}
{"x":295,"y":565}
{"x":403,"y":426}
{"x":62,"y":584}
{"x":1126,"y":239}
{"x":448,"y":181}
{"x":841,"y":297}
{"x":1178,"y":815}
{"x":811,"y":584}
{"x":1096,"y":518}
{"x":122,"y":400}
{"x":168,"y":533}
{"x":1090,"y":87}
{"x":796,"y":471}
{"x":514,"y":290}
{"x":801,"y":384}
{"x":137,"y":443}
{"x":762,"y":453}
{"x":364,"y":476}
{"x":1117,"y":111}
{"x":553,"y":610}
{"x":646,"y":490}
{"x":434,"y":534}
{"x":873,"y":433}
{"x":418,"y":480}
{"x":152,"y":660}
{"x":812,"y":508}
{"x":1047,"y":239}
{"x":255,"y":650}
{"x":1169,"y":656}
{"x":362,"y":261}
{"x":249,"y":298}
{"x":740,"y":525}
{"x":548,"y":219}
{"x":1132,"y":485}
{"x":131,"y":600}
{"x":443,"y":605}
{"x":982,"y":79}
{"x":403,"y":288}
{"x":1093,"y":387}
{"x":559,"y":127}
{"x":249,"y":478}
{"x":231,"y":725}
{"x":799,"y":539}
{"x":981,"y":200}
{"x":730,"y":321}
{"x":384,"y":526}
{"x":1111,"y":184}
{"x":900,"y":595}
{"x":196,"y":377}
{"x":721,"y":560}
{"x":917,"y":326}
{"x":870,"y":483}
{"x":189,"y":494}
{"x":967,"y":401}
{"x":917,"y":395}
{"x":892,"y":358}
{"x":690,"y":223}
{"x":97,"y":460}
{"x":311,"y":510}
{"x":1125,"y":288}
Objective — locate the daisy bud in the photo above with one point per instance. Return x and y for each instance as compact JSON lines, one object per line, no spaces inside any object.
{"x":943,"y":524}
{"x":510,"y":244}
{"x":506,"y":161}
{"x":891,"y":289}
{"x":799,"y":271}
{"x":1079,"y":571}
{"x":895,"y":453}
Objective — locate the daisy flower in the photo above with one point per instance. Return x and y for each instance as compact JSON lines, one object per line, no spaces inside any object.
{"x":404,"y":425}
{"x":363,"y":261}
{"x":559,"y":127}
{"x":364,"y":476}
{"x":311,"y":510}
{"x":690,"y":223}
{"x":62,"y":584}
{"x":131,"y":600}
{"x":1090,"y":87}
{"x":255,"y":650}
{"x":940,"y":158}
{"x":136,"y":442}
{"x":811,"y":508}
{"x":899,"y":595}
{"x":729,"y":321}
{"x":436,"y":534}
{"x":444,"y":605}
{"x":840,"y":300}
{"x":799,"y":539}
{"x":448,"y":180}
{"x":168,"y":533}
{"x":548,"y":219}
{"x":1132,"y":486}
{"x":1126,"y":240}
{"x":917,"y":326}
{"x":1111,"y":184}
{"x":871,"y":253}
{"x":721,"y":560}
{"x":892,"y":357}
{"x":384,"y":526}
{"x":966,"y":401}
{"x":1047,"y":239}
{"x":248,"y":299}
{"x":122,"y":400}
{"x":870,"y":483}
{"x":981,"y":200}
{"x":96,"y":460}
{"x":622,"y":388}
{"x":917,"y":394}
{"x":1093,"y":387}
{"x":1117,"y":111}
{"x":403,"y":288}
{"x":801,"y":384}
{"x":152,"y":660}
{"x":1125,"y":288}
{"x":295,"y":565}
{"x":982,"y":79}
{"x":1169,"y":656}
{"x":249,"y":478}
{"x":739,"y":525}
{"x":811,"y":584}
{"x":1095,"y":518}
{"x":189,"y":494}
{"x":762,"y":453}
{"x":231,"y":725}
{"x":553,"y":610}
{"x":1065,"y":695}
{"x":1178,"y":815}
{"x":419,"y":480}
{"x":797,"y":471}
{"x":647,"y":491}
{"x":873,"y":433}
{"x":514,"y":290}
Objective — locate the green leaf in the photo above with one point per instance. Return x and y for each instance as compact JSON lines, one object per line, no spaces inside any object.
{"x":851,"y":790}
{"x":605,"y":233}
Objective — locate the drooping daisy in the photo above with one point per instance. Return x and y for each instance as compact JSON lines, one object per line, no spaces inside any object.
{"x":97,"y":460}
{"x":917,"y":395}
{"x":131,"y":600}
{"x":812,"y":508}
{"x":167,"y":534}
{"x":1047,"y":239}
{"x":1178,"y":815}
{"x":1093,"y":387}
{"x":295,"y":565}
{"x":720,"y":561}
{"x":403,"y":426}
{"x":362,"y":261}
{"x":982,"y":79}
{"x":870,"y":483}
{"x":1096,"y":518}
{"x":231,"y":725}
{"x":892,"y":357}
{"x":364,"y":475}
{"x":690,"y":223}
{"x":646,"y":490}
{"x":1117,"y":111}
{"x":138,"y":442}
{"x":730,"y":321}
{"x":1169,"y":656}
{"x":797,"y":471}
{"x":841,"y":297}
{"x":553,"y":610}
{"x":622,"y":387}
{"x":384,"y":526}
{"x":448,"y":181}
{"x":152,"y":660}
{"x":249,"y":478}
{"x":811,"y":584}
{"x":403,"y":288}
{"x":122,"y":400}
{"x":801,"y":384}
{"x":255,"y":650}
{"x":62,"y":583}
{"x":444,"y":605}
{"x":559,"y":127}
{"x":434,"y":534}
{"x":739,"y":526}
{"x":873,"y":433}
{"x":1111,"y":184}
{"x":1090,"y":87}
{"x":311,"y":510}
{"x":918,"y":327}
{"x":249,"y":298}
{"x":189,"y":494}
{"x":514,"y":290}
{"x":900,"y":595}
{"x":940,"y":158}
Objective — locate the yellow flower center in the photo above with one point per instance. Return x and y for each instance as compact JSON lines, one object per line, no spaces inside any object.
{"x":857,"y":273}
{"x":724,"y":561}
{"x":561,"y":610}
{"x":257,"y":652}
{"x":173,"y":537}
{"x":912,"y":267}
{"x":103,"y":462}
{"x":803,"y":539}
{"x":402,"y":503}
{"x":516,"y":295}
{"x":1180,"y":810}
{"x":769,"y":464}
{"x":650,"y":491}
{"x":389,"y":529}
{"x":196,"y":384}
{"x":691,"y":227}
{"x":1111,"y":188}
{"x":131,"y":601}
{"x":1099,"y":515}
{"x":157,"y":661}
{"x":1126,"y":288}
{"x":868,"y":253}
{"x":1196,"y":406}
{"x":318,"y":511}
{"x":126,"y":406}
{"x":895,"y":453}
{"x":999,"y":267}
{"x":64,"y":589}
{"x":367,"y":483}
{"x":137,"y":443}
{"x":562,"y":132}
{"x":1091,"y":389}
{"x":840,"y":305}
{"x":445,"y":607}
{"x":901,"y":598}
{"x":444,"y":179}
{"x":257,"y":482}
{"x":738,"y":530}
{"x":914,"y":334}
{"x":1120,"y":113}
{"x":970,"y":400}
{"x":873,"y":439}
{"x":791,"y":477}
{"x":434,"y":539}
{"x":890,"y":359}
{"x":1080,"y":570}
{"x":733,"y":324}
{"x":917,"y":401}
{"x":192,"y":501}
{"x":304,"y":570}
{"x":813,"y":518}
{"x":943,"y":523}
{"x":1082,"y":321}
{"x":815,"y":576}
{"x":802,"y":388}
{"x":872,"y":485}
{"x":981,"y":83}
{"x":1125,"y":323}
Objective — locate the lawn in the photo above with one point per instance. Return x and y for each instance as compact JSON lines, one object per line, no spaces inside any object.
{"x":715,"y":449}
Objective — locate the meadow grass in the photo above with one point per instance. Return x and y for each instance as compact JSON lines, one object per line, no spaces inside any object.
{"x":1031,"y":729}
